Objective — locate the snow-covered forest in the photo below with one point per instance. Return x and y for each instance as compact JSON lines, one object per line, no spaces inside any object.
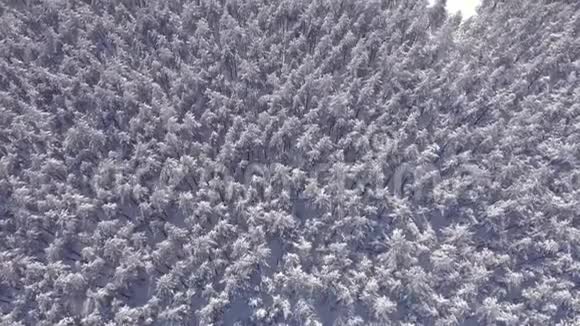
{"x":289,"y":162}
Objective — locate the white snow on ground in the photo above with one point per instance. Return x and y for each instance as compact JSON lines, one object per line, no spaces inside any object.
{"x":466,"y":7}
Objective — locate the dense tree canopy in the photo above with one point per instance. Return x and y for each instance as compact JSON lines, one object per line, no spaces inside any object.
{"x":289,"y":162}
